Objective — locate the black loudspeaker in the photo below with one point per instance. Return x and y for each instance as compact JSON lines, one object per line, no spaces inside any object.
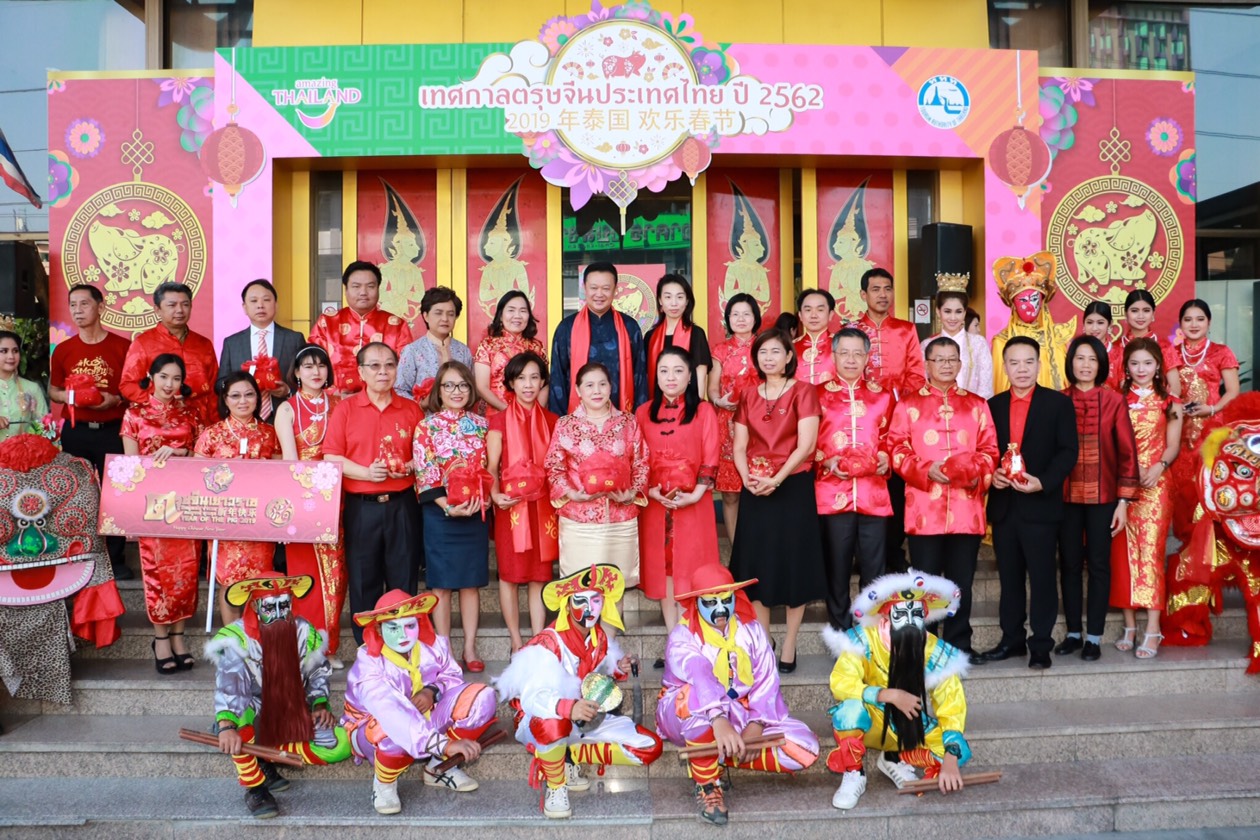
{"x":946,"y":250}
{"x":23,"y":282}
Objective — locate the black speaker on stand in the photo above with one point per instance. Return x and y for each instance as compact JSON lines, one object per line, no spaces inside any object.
{"x":23,"y":282}
{"x":946,"y":250}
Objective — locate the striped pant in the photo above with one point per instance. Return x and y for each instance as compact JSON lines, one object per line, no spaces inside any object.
{"x":329,"y":747}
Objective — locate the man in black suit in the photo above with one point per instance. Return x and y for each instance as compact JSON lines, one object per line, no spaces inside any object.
{"x":258,"y":299}
{"x":1026,"y":510}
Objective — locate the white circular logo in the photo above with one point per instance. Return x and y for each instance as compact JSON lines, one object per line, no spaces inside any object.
{"x":944,"y":102}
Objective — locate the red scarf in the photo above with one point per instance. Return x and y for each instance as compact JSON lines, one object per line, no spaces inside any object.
{"x":682,"y":340}
{"x":526,"y":438}
{"x":581,"y":354}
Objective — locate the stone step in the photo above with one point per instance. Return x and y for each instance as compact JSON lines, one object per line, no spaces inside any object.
{"x":132,"y":687}
{"x":1084,"y":797}
{"x":1047,"y":732}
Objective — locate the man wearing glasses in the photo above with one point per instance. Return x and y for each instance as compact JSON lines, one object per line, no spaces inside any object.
{"x":370,"y":435}
{"x":943,"y":444}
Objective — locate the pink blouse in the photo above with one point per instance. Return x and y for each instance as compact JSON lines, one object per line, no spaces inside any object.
{"x":574,"y":441}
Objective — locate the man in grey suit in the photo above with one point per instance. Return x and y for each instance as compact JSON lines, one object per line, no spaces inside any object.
{"x":258,"y":299}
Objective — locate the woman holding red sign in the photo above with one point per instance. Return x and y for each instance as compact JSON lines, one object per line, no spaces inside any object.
{"x":676,"y":531}
{"x":526,"y":533}
{"x":598,"y":467}
{"x":454,"y":486}
{"x":240,"y":434}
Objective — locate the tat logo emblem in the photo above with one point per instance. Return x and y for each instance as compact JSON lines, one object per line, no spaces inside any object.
{"x":944,"y":102}
{"x":314,"y":93}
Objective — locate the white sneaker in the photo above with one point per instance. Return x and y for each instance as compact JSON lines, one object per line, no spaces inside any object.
{"x":574,"y":778}
{"x":901,"y":773}
{"x":454,"y":779}
{"x":337,"y":664}
{"x":852,"y":786}
{"x":385,"y":797}
{"x":556,"y":803}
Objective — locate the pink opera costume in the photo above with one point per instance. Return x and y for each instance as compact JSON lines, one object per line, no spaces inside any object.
{"x":406,"y":699}
{"x":556,"y":684}
{"x":888,"y":661}
{"x":721,"y":678}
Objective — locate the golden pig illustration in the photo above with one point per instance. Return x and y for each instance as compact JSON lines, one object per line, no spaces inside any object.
{"x":132,"y":262}
{"x":1116,"y":252}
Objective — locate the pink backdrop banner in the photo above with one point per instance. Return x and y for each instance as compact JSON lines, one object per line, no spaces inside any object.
{"x":206,"y":498}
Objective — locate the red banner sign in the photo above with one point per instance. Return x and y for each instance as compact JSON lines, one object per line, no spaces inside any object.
{"x":206,"y":498}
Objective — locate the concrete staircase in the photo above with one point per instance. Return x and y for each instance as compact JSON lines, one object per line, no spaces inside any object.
{"x":1117,"y":745}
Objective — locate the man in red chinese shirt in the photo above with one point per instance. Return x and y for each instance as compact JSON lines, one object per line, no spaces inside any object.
{"x":173,"y":302}
{"x":99,"y":354}
{"x":943,"y":444}
{"x":354,"y":326}
{"x":814,"y":308}
{"x":370,"y":435}
{"x":896,"y":363}
{"x":1026,"y":503}
{"x":851,"y":484}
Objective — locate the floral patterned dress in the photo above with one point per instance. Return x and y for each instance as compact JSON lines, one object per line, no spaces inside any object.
{"x":22,"y":403}
{"x":326,"y":564}
{"x":168,"y":567}
{"x":496,"y":351}
{"x":456,"y":548}
{"x":229,"y":439}
{"x":738,"y":373}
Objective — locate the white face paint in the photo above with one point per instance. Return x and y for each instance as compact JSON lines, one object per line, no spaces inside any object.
{"x":587,"y":606}
{"x":273,"y":608}
{"x":401,"y":634}
{"x":906,"y":613}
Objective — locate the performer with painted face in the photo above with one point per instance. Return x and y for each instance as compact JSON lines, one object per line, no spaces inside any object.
{"x":1027,"y":287}
{"x":406,"y":699}
{"x":721,"y":687}
{"x":898,"y":687}
{"x":562,"y":683}
{"x":271,"y":687}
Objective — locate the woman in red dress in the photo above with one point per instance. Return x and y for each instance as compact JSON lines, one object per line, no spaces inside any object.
{"x":162,"y":427}
{"x":732,"y":373}
{"x":300,"y":426}
{"x":1139,"y":321}
{"x":779,"y":539}
{"x":240,"y":434}
{"x":1203,"y":366}
{"x":677,"y":534}
{"x":526,"y":534}
{"x":1137,"y":552}
{"x":514,"y":330}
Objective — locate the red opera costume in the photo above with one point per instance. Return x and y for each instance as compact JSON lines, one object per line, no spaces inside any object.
{"x":496,"y":351}
{"x":324,"y":564}
{"x":253,"y":441}
{"x":201,"y":368}
{"x":1200,"y":373}
{"x":814,"y":362}
{"x":1137,"y":553}
{"x":344,"y":333}
{"x":738,"y":373}
{"x":526,"y":536}
{"x":673,"y":543}
{"x":168,"y":566}
{"x":855,"y":419}
{"x":896,"y":361}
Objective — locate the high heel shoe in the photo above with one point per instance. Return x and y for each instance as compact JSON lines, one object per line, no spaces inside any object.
{"x":1146,"y":651}
{"x":183,"y":661}
{"x":787,"y":667}
{"x":166,"y":666}
{"x":1125,"y":642}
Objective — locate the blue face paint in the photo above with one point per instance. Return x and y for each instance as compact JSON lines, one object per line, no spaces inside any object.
{"x":713,"y":607}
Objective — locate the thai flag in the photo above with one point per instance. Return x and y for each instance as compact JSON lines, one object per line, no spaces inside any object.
{"x":13,"y":175}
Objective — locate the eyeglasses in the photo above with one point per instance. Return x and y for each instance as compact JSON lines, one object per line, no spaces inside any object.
{"x":949,"y":361}
{"x":852,"y":354}
{"x":377,"y":367}
{"x":455,"y":387}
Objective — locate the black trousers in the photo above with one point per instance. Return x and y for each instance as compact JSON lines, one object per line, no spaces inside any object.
{"x":93,"y":444}
{"x":847,"y":536}
{"x":953,"y":556}
{"x":1025,"y":552}
{"x":895,"y":534}
{"x":382,"y":543}
{"x":1085,"y":537}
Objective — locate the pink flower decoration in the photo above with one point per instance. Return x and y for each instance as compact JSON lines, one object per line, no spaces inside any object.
{"x":174,"y":90}
{"x":1078,"y":90}
{"x":583,"y":179}
{"x":85,"y":137}
{"x":556,"y":33}
{"x":1164,"y":136}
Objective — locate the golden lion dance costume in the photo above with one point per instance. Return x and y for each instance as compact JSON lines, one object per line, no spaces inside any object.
{"x":1027,"y":285}
{"x":49,"y":551}
{"x":1222,"y":547}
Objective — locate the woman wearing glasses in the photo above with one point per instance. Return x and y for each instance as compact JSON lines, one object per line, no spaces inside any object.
{"x":454,"y":488}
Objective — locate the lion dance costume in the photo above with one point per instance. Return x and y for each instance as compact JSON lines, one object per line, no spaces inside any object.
{"x":559,"y":667}
{"x":1221,"y":543}
{"x":403,"y":661}
{"x":1027,"y":286}
{"x":719,"y":665}
{"x":889,"y":648}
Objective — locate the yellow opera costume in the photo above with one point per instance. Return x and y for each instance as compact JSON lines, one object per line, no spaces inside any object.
{"x":1027,"y":285}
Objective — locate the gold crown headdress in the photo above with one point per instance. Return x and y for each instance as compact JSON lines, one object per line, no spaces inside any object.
{"x":1014,"y":274}
{"x":953,"y":282}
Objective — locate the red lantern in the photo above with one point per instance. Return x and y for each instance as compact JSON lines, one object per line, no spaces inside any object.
{"x":1021,"y":160}
{"x":232,"y":156}
{"x":693,"y":157}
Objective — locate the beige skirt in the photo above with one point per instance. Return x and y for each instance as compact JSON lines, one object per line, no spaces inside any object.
{"x":583,"y":544}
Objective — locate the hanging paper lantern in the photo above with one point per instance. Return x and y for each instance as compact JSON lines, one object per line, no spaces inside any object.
{"x":1021,"y":160}
{"x":693,"y":157}
{"x":232,"y":156}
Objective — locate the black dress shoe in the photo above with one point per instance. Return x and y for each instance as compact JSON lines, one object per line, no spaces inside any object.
{"x":1001,"y":652}
{"x":1069,"y":645}
{"x":977,"y":658}
{"x":1040,"y":661}
{"x":1091,"y":652}
{"x":787,"y":667}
